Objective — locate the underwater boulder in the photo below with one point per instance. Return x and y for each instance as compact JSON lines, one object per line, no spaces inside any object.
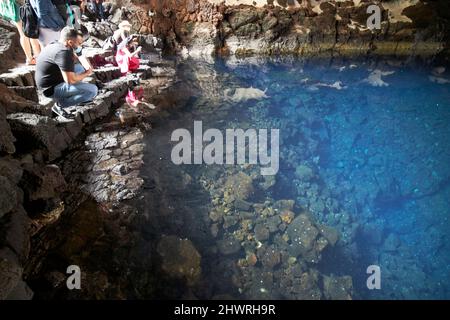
{"x":304,"y":172}
{"x":239,"y":186}
{"x":305,"y":239}
{"x":180,"y":259}
{"x":228,"y":246}
{"x":337,"y":288}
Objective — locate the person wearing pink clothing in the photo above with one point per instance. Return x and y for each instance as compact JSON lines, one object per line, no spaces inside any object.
{"x":127,"y":56}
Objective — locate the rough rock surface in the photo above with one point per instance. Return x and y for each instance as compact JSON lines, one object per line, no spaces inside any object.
{"x":302,"y":27}
{"x":32,"y":186}
{"x":180,"y":258}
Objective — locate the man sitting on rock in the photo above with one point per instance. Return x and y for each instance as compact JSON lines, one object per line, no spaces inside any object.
{"x":60,"y":77}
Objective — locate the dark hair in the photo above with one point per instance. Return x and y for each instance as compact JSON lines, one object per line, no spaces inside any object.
{"x":70,"y":33}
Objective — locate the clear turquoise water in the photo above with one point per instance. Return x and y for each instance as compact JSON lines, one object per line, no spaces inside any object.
{"x":380,"y":157}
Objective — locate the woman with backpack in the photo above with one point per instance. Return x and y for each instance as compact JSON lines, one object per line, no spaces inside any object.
{"x":9,"y":10}
{"x":50,"y":21}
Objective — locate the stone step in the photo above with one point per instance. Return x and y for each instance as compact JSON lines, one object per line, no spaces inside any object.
{"x":27,"y":92}
{"x":20,"y":76}
{"x":107,"y":73}
{"x":45,"y":102}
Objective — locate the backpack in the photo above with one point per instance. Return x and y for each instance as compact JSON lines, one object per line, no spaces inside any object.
{"x":29,"y":19}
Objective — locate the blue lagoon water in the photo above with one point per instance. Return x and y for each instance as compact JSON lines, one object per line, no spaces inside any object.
{"x":364,"y":148}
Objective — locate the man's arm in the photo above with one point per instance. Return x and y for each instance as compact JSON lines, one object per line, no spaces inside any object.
{"x":72,"y":77}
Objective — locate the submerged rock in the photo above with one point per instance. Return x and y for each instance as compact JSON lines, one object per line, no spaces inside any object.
{"x":306,"y":287}
{"x":304,"y":172}
{"x":239,"y":186}
{"x":337,"y":288}
{"x":244,"y":94}
{"x":228,"y":246}
{"x":262,"y":233}
{"x":391,"y":243}
{"x":180,"y":259}
{"x":305,"y":239}
{"x":270,"y":257}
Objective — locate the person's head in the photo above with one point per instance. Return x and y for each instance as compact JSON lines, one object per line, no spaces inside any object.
{"x":71,"y":37}
{"x":134,"y":42}
{"x":125,"y":26}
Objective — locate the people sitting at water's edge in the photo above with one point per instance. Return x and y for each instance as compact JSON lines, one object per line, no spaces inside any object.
{"x":59,"y":75}
{"x":121,"y":34}
{"x":127,"y":56}
{"x":9,"y":11}
{"x":50,"y":21}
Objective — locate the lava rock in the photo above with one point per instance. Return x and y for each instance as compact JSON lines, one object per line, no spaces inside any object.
{"x":337,"y":288}
{"x":262,"y":233}
{"x":180,"y":259}
{"x":304,"y":172}
{"x":228,"y":246}
{"x":10,"y":272}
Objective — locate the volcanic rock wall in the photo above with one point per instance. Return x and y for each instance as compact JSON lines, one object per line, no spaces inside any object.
{"x":306,"y":27}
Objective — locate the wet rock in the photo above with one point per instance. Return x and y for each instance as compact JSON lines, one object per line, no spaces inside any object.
{"x":272,"y":223}
{"x":240,"y":204}
{"x":302,"y":233}
{"x":269,"y":181}
{"x":180,"y":259}
{"x":262,"y":233}
{"x":373,"y":234}
{"x":228,"y":246}
{"x":269,"y":257}
{"x":308,"y":29}
{"x":203,"y":42}
{"x":304,"y":172}
{"x":239,"y":186}
{"x":391,"y":243}
{"x":8,"y":196}
{"x":337,"y":288}
{"x":305,"y":239}
{"x":331,"y":234}
{"x":216,"y":215}
{"x":306,"y":287}
{"x":229,"y":221}
{"x":317,"y":206}
{"x":10,"y":273}
{"x":269,"y":22}
{"x":287,"y":216}
{"x":214,"y":230}
{"x":284,"y":205}
{"x":242,"y":17}
{"x":86,"y":226}
{"x":246,"y":214}
{"x":251,"y":29}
